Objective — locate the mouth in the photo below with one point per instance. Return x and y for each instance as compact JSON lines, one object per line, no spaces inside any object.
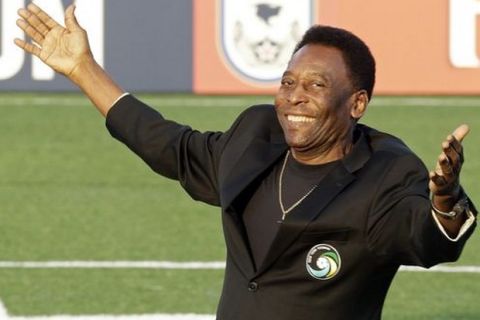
{"x":299,"y":118}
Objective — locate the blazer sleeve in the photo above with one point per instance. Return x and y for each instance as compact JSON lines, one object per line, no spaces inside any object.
{"x":401,"y":228}
{"x":170,"y":149}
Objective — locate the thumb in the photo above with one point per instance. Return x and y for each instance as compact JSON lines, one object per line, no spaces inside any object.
{"x":70,"y":20}
{"x":461,"y":132}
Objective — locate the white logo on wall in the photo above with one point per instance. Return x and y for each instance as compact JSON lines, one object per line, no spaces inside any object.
{"x":463,"y":33}
{"x":258,"y":36}
{"x":90,"y":15}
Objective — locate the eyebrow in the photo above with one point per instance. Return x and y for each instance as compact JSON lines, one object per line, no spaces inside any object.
{"x":324,"y":76}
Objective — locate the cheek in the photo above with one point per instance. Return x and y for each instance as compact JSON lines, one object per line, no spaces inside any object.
{"x":279,"y":101}
{"x":278,"y":109}
{"x":341,"y":110}
{"x":279,"y":104}
{"x":334,"y":119}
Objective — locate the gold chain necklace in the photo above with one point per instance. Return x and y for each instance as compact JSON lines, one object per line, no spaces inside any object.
{"x":280,"y":200}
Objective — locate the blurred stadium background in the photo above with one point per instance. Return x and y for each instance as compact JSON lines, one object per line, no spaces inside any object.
{"x":69,"y":192}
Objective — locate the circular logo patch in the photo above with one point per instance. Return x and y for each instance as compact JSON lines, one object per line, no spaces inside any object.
{"x":323,"y":262}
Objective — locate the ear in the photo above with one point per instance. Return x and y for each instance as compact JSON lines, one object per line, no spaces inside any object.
{"x":359,"y":105}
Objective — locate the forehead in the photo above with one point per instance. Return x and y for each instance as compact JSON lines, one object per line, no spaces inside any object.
{"x":316,"y":58}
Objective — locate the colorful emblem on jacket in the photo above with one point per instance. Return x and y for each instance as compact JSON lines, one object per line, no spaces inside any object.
{"x":323,"y":262}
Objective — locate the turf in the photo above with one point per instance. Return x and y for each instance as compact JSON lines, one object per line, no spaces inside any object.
{"x":68,"y":191}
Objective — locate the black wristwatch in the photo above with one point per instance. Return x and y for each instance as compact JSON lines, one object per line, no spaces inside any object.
{"x":460,"y":207}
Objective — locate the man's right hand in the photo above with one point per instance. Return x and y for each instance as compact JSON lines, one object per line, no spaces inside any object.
{"x":66,"y":50}
{"x":63,"y":49}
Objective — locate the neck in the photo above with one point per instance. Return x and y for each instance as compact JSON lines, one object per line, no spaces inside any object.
{"x":333,"y":154}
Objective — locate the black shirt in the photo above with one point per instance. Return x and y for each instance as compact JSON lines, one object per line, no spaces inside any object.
{"x":263,"y":215}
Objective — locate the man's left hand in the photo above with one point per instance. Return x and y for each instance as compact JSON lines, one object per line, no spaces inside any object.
{"x":444,"y":180}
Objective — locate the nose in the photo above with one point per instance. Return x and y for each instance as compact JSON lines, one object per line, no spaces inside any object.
{"x":297,"y":95}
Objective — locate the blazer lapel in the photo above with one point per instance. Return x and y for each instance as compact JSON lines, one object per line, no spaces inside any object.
{"x":256,"y":158}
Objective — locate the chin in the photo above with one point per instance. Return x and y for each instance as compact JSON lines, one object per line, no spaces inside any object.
{"x":296,"y":143}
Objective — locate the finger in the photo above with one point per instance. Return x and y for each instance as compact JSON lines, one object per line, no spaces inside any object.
{"x":437,"y":179}
{"x":455,"y":157}
{"x":28,"y":47}
{"x":34,"y":21}
{"x":70,"y":19}
{"x":454,"y":143}
{"x":42,"y":15}
{"x":30,"y":31}
{"x":461,"y":132}
{"x":445,"y":167}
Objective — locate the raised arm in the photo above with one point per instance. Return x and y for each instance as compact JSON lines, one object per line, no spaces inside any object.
{"x":67,"y":51}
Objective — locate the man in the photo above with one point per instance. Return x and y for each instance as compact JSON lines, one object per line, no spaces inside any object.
{"x":318,"y":211}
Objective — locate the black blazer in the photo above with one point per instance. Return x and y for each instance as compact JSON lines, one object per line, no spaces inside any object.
{"x":372,"y":213}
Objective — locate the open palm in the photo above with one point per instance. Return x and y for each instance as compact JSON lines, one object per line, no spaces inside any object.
{"x":63,"y":49}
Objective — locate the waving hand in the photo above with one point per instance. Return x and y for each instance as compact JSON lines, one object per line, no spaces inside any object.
{"x":67,"y":51}
{"x":63,"y":49}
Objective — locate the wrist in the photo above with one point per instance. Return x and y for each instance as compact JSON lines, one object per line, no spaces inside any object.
{"x":97,"y":85}
{"x":84,"y":71}
{"x":446,"y":201}
{"x":452,"y":212}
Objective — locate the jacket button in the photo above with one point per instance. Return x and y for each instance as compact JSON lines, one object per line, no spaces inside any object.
{"x":252,"y":286}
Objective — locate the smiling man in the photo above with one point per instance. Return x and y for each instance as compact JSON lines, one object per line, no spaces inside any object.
{"x":318,"y":211}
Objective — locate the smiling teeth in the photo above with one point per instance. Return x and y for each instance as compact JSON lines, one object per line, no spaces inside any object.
{"x":299,"y":118}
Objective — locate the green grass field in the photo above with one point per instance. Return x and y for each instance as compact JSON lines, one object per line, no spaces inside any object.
{"x":68,"y":192}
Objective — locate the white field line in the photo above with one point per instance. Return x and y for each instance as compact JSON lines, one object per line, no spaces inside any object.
{"x":191,"y":265}
{"x":190,"y":316}
{"x":209,"y":265}
{"x":110,"y":264}
{"x":158,"y":265}
{"x":236,"y":101}
{"x":116,"y":317}
{"x":385,"y":101}
{"x":443,"y":268}
{"x":193,"y":101}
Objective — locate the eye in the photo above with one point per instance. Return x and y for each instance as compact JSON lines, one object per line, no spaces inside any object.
{"x":318,"y":84}
{"x":286,"y":82}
